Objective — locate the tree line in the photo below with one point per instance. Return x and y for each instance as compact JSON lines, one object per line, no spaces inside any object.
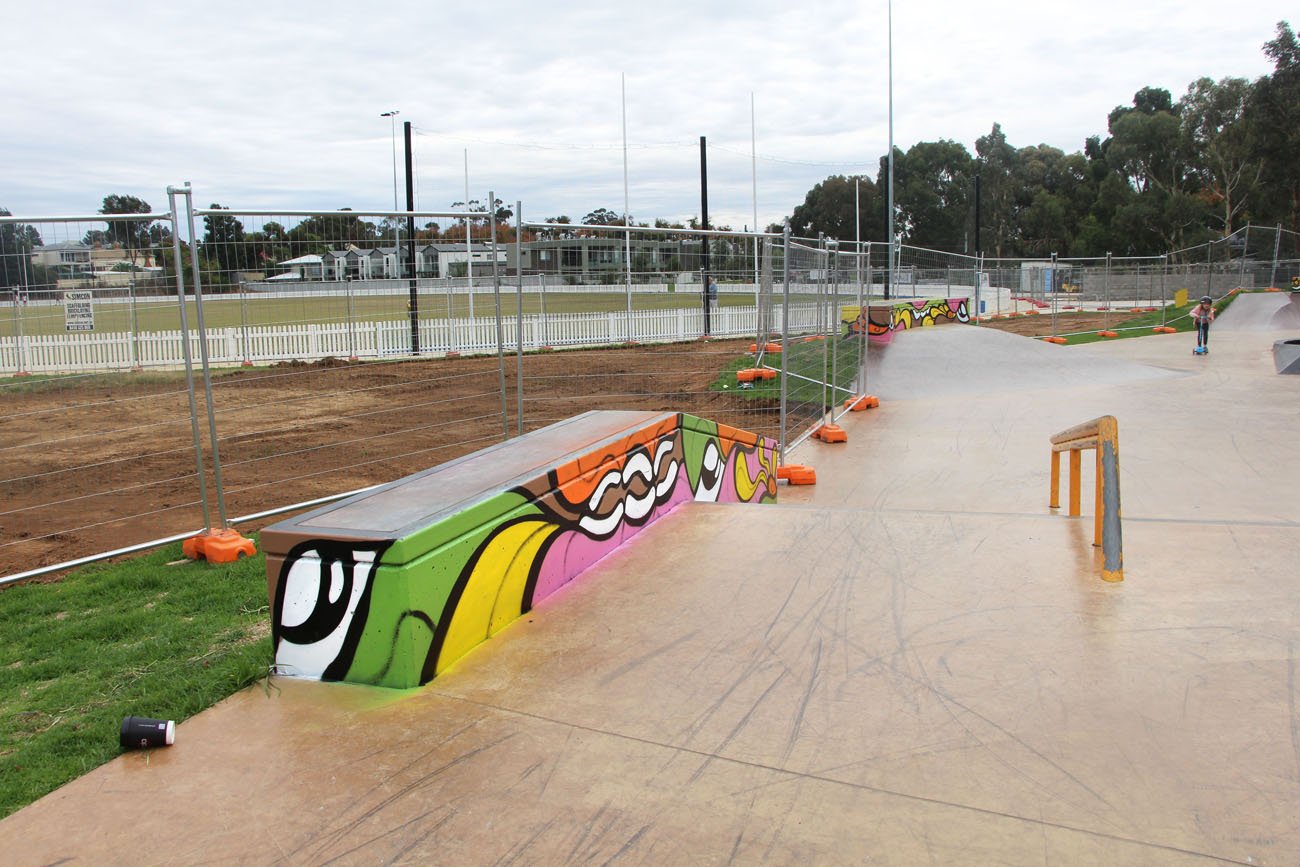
{"x":1168,"y":175}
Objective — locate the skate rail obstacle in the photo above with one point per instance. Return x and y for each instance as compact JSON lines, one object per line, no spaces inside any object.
{"x":1102,"y":435}
{"x":393,"y":585}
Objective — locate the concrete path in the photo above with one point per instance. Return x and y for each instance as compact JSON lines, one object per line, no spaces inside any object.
{"x":914,"y":661}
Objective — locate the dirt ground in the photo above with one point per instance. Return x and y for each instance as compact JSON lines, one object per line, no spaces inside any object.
{"x":94,"y":464}
{"x":1040,"y":324}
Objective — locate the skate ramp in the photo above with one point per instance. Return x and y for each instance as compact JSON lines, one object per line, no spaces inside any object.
{"x":1261,"y":311}
{"x":1286,"y":356}
{"x":962,"y":360}
{"x":914,"y":661}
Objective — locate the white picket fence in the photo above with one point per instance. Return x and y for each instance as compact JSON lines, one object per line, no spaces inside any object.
{"x":82,"y":352}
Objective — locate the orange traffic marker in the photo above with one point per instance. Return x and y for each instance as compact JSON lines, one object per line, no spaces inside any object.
{"x":218,"y":546}
{"x":797,"y":474}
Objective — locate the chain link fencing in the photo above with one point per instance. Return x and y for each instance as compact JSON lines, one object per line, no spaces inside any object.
{"x":471,"y":329}
{"x":106,"y":457}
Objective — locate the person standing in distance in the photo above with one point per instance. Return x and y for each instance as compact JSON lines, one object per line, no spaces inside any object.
{"x":1202,"y":315}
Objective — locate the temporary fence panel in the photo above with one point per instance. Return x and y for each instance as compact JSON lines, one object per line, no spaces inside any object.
{"x":677,"y":350}
{"x":298,"y":299}
{"x":94,"y":461}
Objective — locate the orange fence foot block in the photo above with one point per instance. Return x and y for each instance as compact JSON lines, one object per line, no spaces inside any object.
{"x":1107,"y":334}
{"x":867,"y":401}
{"x":831,"y":433}
{"x":1059,"y":341}
{"x":797,"y":474}
{"x":218,"y":546}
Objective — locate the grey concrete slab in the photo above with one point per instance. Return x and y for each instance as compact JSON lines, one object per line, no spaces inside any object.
{"x":914,"y":661}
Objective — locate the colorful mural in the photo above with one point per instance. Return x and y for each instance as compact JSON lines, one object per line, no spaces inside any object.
{"x":398,"y":612}
{"x":904,"y":314}
{"x":917,"y":314}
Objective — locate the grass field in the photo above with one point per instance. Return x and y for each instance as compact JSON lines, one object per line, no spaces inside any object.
{"x":150,"y":637}
{"x":228,"y":311}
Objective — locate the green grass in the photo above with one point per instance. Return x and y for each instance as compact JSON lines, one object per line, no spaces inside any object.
{"x":1141,"y":325}
{"x":138,"y":638}
{"x":226,"y":311}
{"x":810,"y":364}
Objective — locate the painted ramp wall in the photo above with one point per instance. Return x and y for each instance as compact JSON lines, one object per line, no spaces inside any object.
{"x":882,"y":321}
{"x":391,"y":587}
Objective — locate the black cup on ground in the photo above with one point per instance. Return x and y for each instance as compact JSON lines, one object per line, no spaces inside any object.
{"x":142,"y":733}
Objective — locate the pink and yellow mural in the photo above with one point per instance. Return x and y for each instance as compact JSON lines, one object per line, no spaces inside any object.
{"x":398,"y":608}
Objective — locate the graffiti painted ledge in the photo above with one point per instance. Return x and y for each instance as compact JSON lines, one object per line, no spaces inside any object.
{"x":392,"y":586}
{"x":912,"y":313}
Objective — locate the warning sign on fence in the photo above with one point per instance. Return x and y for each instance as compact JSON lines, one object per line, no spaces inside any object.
{"x":79,"y":310}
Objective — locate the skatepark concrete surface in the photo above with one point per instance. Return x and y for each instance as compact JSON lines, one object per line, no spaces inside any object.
{"x":1273,"y":311}
{"x":913,"y":662}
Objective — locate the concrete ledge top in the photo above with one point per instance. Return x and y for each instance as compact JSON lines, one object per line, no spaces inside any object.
{"x":425,"y":497}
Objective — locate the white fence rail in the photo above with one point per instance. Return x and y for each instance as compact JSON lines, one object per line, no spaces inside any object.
{"x":81,"y":352}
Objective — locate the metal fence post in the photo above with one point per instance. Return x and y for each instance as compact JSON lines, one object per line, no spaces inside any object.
{"x":178,"y":263}
{"x":1277,"y":245}
{"x":501,"y":331}
{"x":1209,"y":267}
{"x":1105,"y":320}
{"x":519,"y":321}
{"x":785,"y":334}
{"x":1245,"y":251}
{"x":203,"y":359}
{"x":1054,"y":267}
{"x":247,"y":360}
{"x":135,"y":326}
{"x":21,"y":338}
{"x":1164,"y":296}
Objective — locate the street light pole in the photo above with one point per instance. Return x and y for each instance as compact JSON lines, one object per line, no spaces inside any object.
{"x":893,"y":252}
{"x":392,"y":118}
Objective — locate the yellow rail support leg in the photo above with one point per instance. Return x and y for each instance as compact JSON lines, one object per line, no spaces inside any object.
{"x":1102,"y":435}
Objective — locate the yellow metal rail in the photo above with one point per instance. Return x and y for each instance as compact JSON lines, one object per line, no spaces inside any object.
{"x":1102,"y":435}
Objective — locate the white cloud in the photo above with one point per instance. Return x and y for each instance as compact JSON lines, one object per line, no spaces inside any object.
{"x":265,"y":105}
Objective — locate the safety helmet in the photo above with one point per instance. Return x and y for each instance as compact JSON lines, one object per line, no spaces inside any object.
{"x":1206,"y":299}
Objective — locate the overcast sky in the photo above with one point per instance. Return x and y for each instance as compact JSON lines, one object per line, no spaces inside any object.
{"x":275,"y":105}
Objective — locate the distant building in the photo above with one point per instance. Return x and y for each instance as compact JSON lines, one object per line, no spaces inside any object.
{"x":382,"y":263}
{"x":586,"y":258}
{"x":76,"y":264}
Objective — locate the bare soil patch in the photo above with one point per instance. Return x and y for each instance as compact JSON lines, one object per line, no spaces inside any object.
{"x":96,"y":464}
